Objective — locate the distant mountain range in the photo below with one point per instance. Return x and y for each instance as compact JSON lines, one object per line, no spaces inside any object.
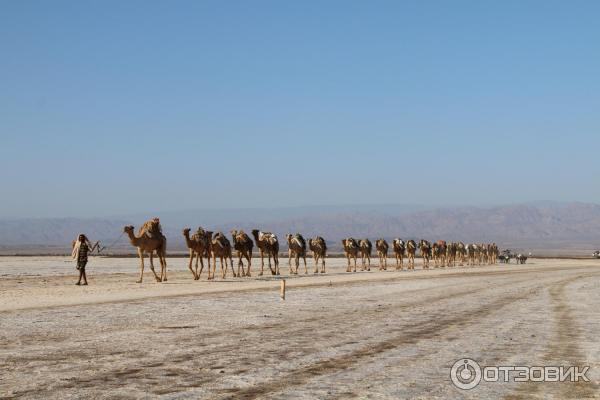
{"x":543,"y":228}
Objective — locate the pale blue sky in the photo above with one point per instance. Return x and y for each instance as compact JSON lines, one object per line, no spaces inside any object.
{"x":127,"y":106}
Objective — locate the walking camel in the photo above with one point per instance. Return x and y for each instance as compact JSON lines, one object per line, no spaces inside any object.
{"x":461,"y":253}
{"x":296,"y":249}
{"x":221,"y":247}
{"x":399,"y":246}
{"x":319,"y":249}
{"x":146,"y":244}
{"x":435,"y":254}
{"x":243,"y":246}
{"x":411,"y":250}
{"x":365,"y":253}
{"x":268,"y":245}
{"x":425,"y":249}
{"x":441,"y":247}
{"x":382,"y":250}
{"x":199,"y":245}
{"x":451,"y":254}
{"x":471,"y":254}
{"x":351,"y":249}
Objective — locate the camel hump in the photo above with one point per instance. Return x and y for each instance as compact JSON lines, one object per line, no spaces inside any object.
{"x":151,"y":229}
{"x":264,"y":235}
{"x":300,"y":239}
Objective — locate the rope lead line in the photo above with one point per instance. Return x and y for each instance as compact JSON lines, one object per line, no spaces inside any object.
{"x":100,"y":249}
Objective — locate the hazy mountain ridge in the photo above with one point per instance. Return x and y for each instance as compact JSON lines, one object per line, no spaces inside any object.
{"x":539,"y":226}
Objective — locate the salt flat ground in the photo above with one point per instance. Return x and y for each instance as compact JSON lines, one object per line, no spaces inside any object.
{"x":377,"y":335}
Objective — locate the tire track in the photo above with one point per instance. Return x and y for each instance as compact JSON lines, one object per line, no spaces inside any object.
{"x":411,"y":334}
{"x":562,"y":350}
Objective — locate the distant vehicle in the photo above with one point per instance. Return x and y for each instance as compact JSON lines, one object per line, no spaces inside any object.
{"x":506,"y":256}
{"x":521,"y":258}
{"x":596,"y":254}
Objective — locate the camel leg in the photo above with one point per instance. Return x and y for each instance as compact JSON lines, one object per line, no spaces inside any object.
{"x":163,"y":266}
{"x":305,"y":266}
{"x":348,"y":258}
{"x":296,"y":263}
{"x":270,"y":267}
{"x":198,"y":260}
{"x":141,"y":256}
{"x":190,"y":264}
{"x":233,"y":270}
{"x":276,"y":261}
{"x":158,"y":279}
{"x":262,"y":263}
{"x":223,"y":267}
{"x":249,"y":258}
{"x":290,"y":262}
{"x":354,"y":263}
{"x":199,"y":257}
{"x":323,"y":264}
{"x":214,"y":267}
{"x":211,"y":273}
{"x":240,"y":264}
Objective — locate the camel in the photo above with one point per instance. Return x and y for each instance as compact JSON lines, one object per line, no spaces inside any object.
{"x":435,"y":254}
{"x":351,"y":249}
{"x":461,"y":253}
{"x":296,"y":249}
{"x":365,"y":253}
{"x":411,"y":250}
{"x":399,"y":246}
{"x":440,"y":253}
{"x":268,"y":245}
{"x":149,"y":245}
{"x":199,"y":245}
{"x":221,"y":247}
{"x":382,"y":251}
{"x":471,"y":254}
{"x":483,"y":255}
{"x":451,"y":254}
{"x":425,"y":249}
{"x":319,"y":249}
{"x":494,"y":253}
{"x":243,"y":245}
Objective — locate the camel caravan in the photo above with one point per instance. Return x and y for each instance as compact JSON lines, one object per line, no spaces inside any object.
{"x":208,"y":247}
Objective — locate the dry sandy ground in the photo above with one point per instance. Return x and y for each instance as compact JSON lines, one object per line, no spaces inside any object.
{"x":375,"y":335}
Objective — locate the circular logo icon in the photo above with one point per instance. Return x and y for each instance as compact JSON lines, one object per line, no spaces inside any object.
{"x":465,"y":374}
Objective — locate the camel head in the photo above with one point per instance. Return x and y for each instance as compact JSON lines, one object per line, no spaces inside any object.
{"x":128,"y":229}
{"x":255,"y":234}
{"x":288,"y":237}
{"x":186,"y":232}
